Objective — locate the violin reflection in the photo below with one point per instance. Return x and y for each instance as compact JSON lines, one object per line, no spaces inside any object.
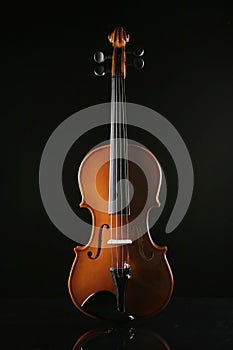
{"x":120,"y":339}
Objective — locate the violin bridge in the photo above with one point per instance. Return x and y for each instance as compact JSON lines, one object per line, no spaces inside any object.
{"x":119,"y":241}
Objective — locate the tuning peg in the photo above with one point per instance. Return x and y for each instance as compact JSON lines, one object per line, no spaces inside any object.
{"x":100,"y":57}
{"x":137,"y":53}
{"x":99,"y":70}
{"x":138,"y":63}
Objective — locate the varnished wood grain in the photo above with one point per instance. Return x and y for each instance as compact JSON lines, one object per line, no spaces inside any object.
{"x":150,"y":288}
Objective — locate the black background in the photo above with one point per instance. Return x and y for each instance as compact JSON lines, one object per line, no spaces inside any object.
{"x":47,"y":75}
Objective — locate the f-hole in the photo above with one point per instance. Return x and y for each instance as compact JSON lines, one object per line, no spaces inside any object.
{"x":99,"y":243}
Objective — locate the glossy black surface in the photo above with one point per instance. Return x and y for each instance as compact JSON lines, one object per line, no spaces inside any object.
{"x":186,"y":323}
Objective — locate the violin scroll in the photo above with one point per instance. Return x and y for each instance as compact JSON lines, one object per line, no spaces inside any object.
{"x":118,"y":38}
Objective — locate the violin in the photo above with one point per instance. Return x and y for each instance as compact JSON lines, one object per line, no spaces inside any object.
{"x":121,"y":273}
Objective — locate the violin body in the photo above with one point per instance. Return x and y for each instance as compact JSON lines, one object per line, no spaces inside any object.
{"x":149,"y":287}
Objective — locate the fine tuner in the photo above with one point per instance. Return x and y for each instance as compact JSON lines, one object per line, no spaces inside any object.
{"x":134,"y":58}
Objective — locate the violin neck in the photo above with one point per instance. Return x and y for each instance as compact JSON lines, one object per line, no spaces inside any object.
{"x":118,"y":184}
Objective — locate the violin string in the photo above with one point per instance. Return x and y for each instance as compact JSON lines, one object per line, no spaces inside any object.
{"x":123,"y":160}
{"x":116,"y":165}
{"x":121,"y":168}
{"x":118,"y":168}
{"x":121,"y":152}
{"x":111,"y":165}
{"x":126,"y":167}
{"x":118,"y":155}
